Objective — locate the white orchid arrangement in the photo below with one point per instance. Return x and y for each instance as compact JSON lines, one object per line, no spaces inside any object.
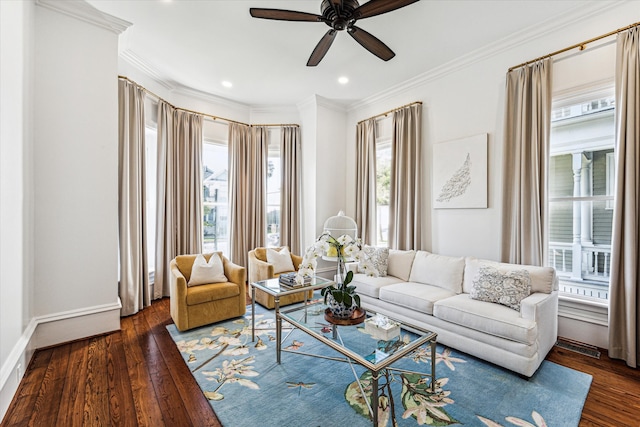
{"x":342,"y":248}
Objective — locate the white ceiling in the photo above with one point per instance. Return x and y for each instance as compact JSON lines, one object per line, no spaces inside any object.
{"x":197,"y":44}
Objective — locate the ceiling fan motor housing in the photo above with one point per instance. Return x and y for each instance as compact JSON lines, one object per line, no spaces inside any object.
{"x":338,"y":21}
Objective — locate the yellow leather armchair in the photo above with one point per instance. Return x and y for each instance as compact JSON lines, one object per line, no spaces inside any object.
{"x":204,"y":304}
{"x":260,"y":269}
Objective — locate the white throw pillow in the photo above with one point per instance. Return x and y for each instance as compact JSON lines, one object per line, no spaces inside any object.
{"x":378,"y":257}
{"x":438,"y":270}
{"x":400,"y":263}
{"x":502,"y":287}
{"x":203,"y":272}
{"x":281,"y":261}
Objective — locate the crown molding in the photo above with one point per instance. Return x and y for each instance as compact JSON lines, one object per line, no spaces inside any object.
{"x":83,"y":11}
{"x":208,"y":97}
{"x":267,"y":109}
{"x":145,"y":68}
{"x":571,"y":17}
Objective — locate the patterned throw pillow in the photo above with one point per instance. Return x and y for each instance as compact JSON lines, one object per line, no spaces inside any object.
{"x":502,"y":287}
{"x":377,"y":257}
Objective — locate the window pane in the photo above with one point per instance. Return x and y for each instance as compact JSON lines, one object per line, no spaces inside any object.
{"x":216,"y":198}
{"x":383,"y":186}
{"x":151,"y":165}
{"x":273,"y":199}
{"x":581,"y":172}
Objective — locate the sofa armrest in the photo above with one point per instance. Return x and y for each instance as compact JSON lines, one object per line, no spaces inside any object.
{"x":178,"y":282}
{"x":351,"y":266}
{"x":258,"y":269}
{"x":238,"y":275}
{"x":543,"y":309}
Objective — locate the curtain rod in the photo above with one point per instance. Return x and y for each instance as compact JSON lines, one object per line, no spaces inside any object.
{"x":197,"y":112}
{"x":582,"y":46}
{"x":391,"y":111}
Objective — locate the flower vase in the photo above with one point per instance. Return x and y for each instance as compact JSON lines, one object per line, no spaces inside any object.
{"x":339,"y":310}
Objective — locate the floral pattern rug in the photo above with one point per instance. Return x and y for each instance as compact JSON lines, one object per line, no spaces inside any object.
{"x":246,"y":387}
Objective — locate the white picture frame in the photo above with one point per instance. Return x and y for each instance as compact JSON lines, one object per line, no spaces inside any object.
{"x":460,"y":173}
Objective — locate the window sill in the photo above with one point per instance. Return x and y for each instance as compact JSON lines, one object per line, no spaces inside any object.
{"x":584,"y":309}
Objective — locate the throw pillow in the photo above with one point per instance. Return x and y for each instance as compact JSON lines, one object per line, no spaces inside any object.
{"x":378,"y":258}
{"x":281,"y":260}
{"x":203,"y":272}
{"x":400,"y":263}
{"x":502,"y":287}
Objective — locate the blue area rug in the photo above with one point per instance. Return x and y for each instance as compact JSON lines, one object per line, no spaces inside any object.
{"x":246,"y":387}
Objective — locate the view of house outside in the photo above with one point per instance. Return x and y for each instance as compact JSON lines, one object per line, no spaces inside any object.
{"x":215,"y":198}
{"x":581,"y":178}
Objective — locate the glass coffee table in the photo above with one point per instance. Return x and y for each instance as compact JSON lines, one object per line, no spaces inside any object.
{"x":360,"y":347}
{"x":276,"y":289}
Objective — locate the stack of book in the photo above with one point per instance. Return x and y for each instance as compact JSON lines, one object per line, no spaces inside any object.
{"x":289,"y":280}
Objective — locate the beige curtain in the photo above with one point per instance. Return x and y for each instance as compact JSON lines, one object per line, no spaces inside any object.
{"x":405,"y":198}
{"x":291,"y":189}
{"x":134,"y":276}
{"x":526,"y":154}
{"x":366,"y":181}
{"x":247,"y":189}
{"x":624,"y":295}
{"x":179,"y":181}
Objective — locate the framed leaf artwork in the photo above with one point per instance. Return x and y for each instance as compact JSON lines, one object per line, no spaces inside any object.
{"x":460,"y":173}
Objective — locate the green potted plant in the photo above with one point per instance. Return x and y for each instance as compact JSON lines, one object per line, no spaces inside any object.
{"x":340,"y":297}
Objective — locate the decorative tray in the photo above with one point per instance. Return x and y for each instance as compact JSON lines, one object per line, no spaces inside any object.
{"x":356,"y":318}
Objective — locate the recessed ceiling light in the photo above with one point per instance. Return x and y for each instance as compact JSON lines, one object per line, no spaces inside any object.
{"x":227,"y":83}
{"x":343,"y":80}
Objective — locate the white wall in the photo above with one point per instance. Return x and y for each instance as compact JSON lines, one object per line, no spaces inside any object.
{"x":16,"y":23}
{"x":466,"y":97}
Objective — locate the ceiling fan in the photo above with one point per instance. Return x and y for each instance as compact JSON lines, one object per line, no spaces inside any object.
{"x":340,"y":15}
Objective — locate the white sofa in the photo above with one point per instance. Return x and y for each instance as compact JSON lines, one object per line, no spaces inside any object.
{"x":433,"y":292}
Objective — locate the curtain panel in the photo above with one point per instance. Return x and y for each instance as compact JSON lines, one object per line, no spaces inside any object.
{"x":179,"y":185}
{"x":405,"y":195}
{"x":366,"y":214}
{"x":291,"y":189}
{"x":624,"y":295}
{"x":247,"y":189}
{"x":525,"y":168}
{"x":133,"y":289}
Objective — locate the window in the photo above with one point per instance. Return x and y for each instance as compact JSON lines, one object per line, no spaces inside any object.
{"x":273,"y":189}
{"x":215,"y":187}
{"x":151,"y":165}
{"x":581,"y":192}
{"x":383,"y":180}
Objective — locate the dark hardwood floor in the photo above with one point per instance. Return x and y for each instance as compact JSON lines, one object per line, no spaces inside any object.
{"x":136,"y":377}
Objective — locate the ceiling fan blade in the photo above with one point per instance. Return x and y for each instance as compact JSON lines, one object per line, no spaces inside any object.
{"x":371,"y":43}
{"x":378,"y":7}
{"x":284,"y":15}
{"x":321,"y":48}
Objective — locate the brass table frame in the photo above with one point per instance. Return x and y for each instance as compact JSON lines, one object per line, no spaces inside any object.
{"x":273,"y":287}
{"x":376,"y":369}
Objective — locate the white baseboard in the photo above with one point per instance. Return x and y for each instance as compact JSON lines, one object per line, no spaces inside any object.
{"x":45,"y":331}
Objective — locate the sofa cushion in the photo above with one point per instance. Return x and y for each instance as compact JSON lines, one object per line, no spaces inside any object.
{"x":213,"y":292}
{"x":280,"y":259}
{"x":204,"y":272}
{"x":415,"y":296}
{"x":438,"y":270}
{"x":378,"y":258}
{"x":543,"y":279}
{"x":502,"y":287}
{"x":370,"y":286}
{"x":400,"y":263}
{"x":486,"y":317}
